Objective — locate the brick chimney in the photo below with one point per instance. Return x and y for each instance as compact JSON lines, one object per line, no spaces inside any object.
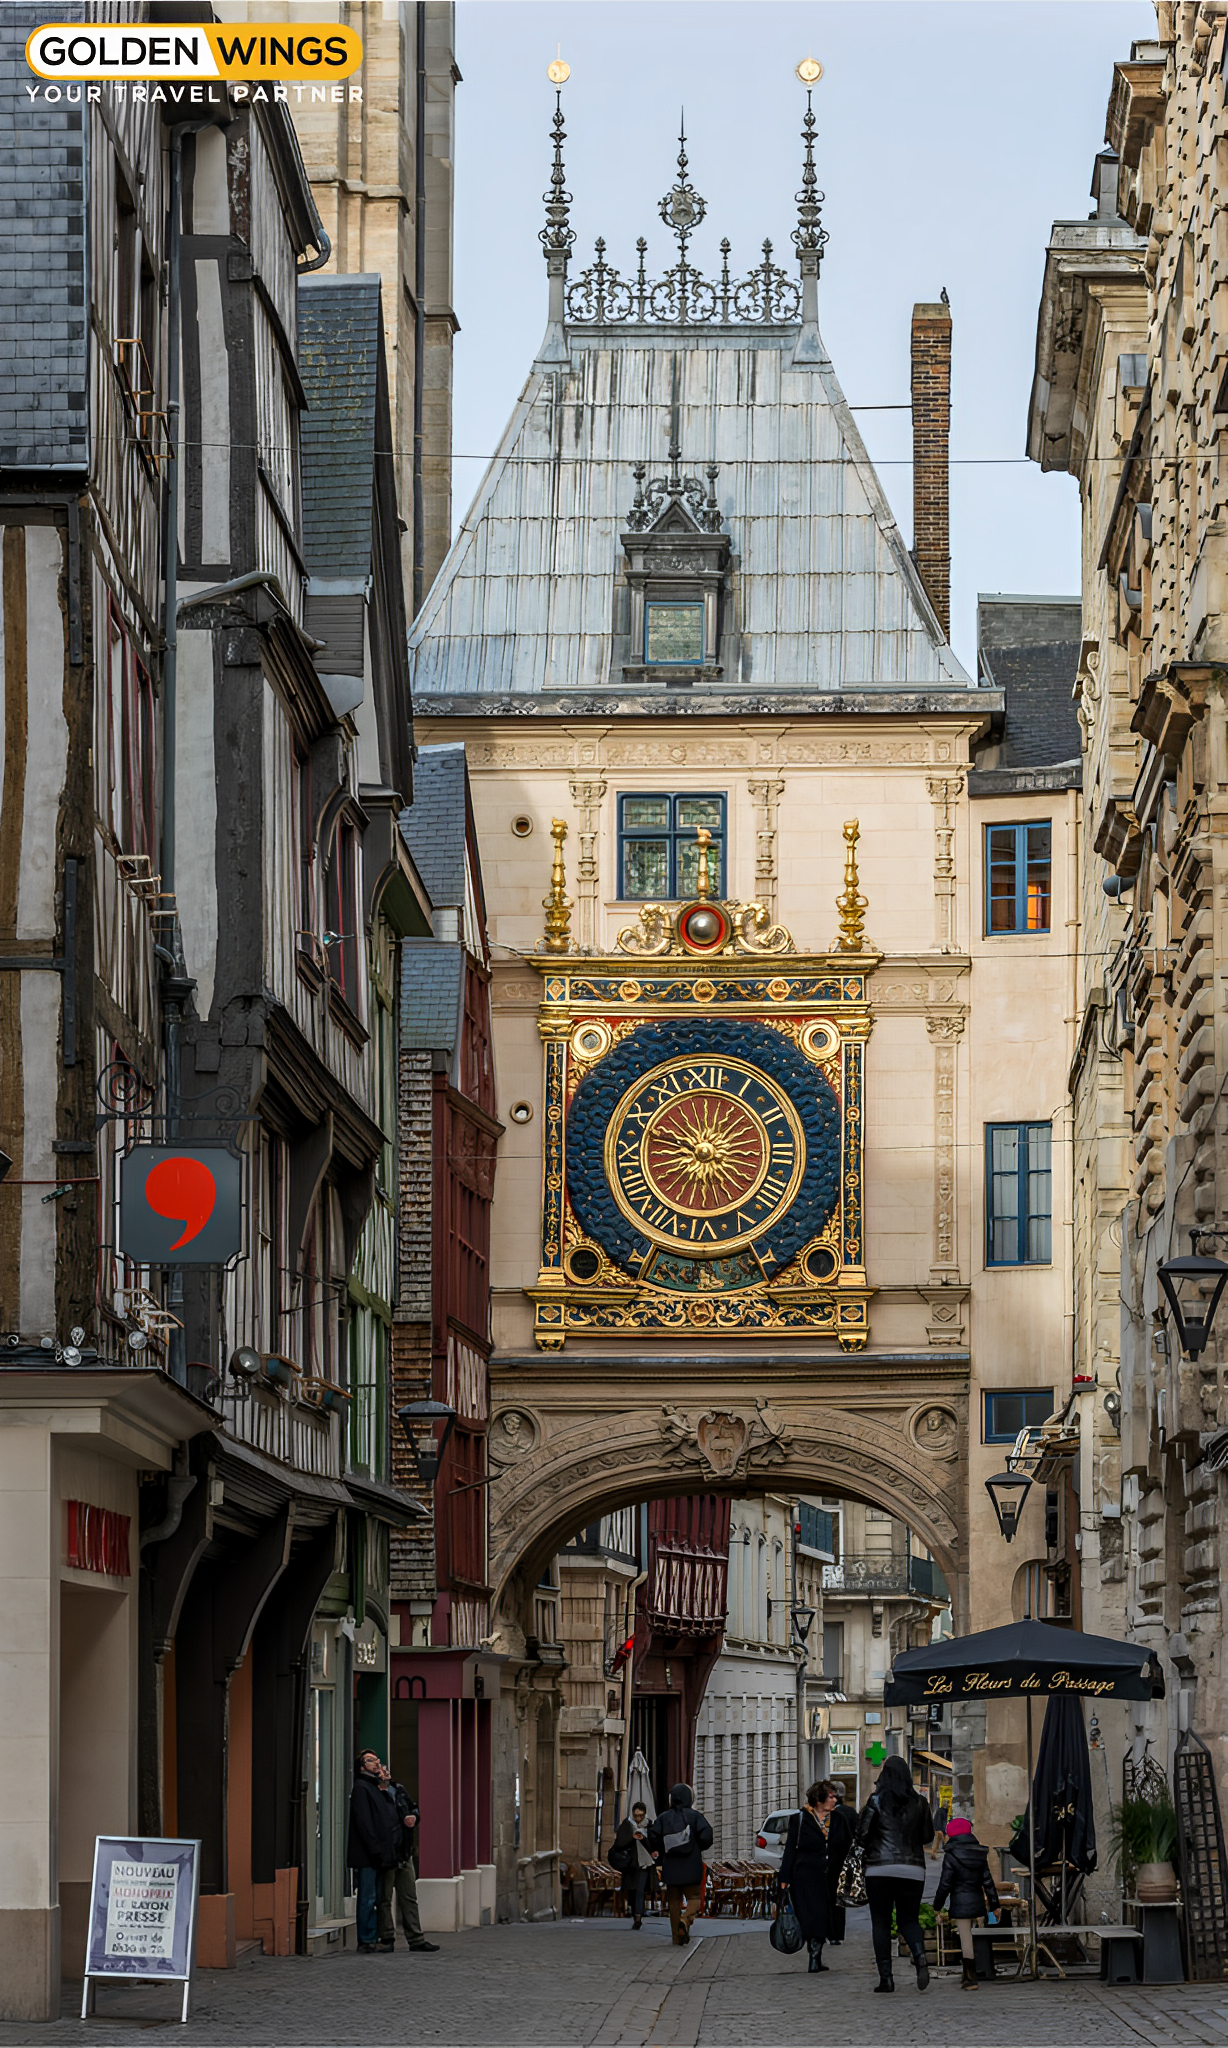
{"x":931,"y":438}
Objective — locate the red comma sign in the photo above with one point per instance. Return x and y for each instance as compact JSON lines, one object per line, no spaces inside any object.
{"x":184,"y":1190}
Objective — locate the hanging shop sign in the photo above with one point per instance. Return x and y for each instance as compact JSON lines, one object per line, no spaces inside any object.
{"x":180,"y":1205}
{"x":142,"y":1924}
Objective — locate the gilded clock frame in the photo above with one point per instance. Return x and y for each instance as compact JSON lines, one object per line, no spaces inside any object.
{"x":603,"y":998}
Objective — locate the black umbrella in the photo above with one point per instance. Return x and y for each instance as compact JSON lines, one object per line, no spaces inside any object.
{"x":1026,"y":1660}
{"x":1062,"y":1790}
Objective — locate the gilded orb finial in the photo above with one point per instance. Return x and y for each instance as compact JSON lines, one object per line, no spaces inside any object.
{"x":851,"y":904}
{"x":703,"y":879}
{"x":557,"y":905}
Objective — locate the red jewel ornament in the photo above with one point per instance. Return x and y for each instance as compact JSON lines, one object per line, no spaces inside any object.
{"x":703,"y":927}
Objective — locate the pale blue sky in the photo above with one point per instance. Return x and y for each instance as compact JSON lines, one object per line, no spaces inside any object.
{"x":951,"y":134}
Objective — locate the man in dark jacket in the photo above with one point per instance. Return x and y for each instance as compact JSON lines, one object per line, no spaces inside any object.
{"x":399,"y":1886}
{"x":967,"y":1881}
{"x":679,"y":1836}
{"x":372,"y":1844}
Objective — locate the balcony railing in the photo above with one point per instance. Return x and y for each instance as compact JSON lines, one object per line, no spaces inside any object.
{"x":881,"y":1574}
{"x":886,"y":1574}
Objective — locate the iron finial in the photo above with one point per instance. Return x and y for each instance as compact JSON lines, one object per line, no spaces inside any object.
{"x":558,"y":234}
{"x":809,"y":236}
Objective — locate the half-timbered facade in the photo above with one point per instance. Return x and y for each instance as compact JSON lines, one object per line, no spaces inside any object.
{"x":207,"y":752}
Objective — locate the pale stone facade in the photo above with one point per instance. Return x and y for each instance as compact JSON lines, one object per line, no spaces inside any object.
{"x":1130,"y":403}
{"x":826,"y":691}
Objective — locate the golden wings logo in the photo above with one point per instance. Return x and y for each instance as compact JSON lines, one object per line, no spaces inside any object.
{"x":201,"y":51}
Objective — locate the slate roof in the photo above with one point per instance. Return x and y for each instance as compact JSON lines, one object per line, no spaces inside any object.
{"x":432,"y":982}
{"x":1029,"y":647}
{"x":338,"y":347}
{"x":433,"y":826}
{"x":44,"y":286}
{"x":828,"y":595}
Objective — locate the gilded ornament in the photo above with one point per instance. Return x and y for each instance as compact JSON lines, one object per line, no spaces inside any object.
{"x":557,"y":905}
{"x":852,"y":906}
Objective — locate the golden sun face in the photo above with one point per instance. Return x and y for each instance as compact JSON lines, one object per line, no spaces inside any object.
{"x":704,"y":1153}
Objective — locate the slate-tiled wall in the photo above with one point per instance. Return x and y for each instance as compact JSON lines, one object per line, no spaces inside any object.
{"x":43,"y":367}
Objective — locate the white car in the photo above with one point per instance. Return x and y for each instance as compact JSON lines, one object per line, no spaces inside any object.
{"x":770,"y":1839}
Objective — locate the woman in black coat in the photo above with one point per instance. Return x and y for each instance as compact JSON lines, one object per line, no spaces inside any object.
{"x":966,"y":1880}
{"x":630,"y":1854}
{"x":895,"y":1826}
{"x":804,"y":1867}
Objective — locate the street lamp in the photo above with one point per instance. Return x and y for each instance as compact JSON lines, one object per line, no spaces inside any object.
{"x":1196,"y":1314}
{"x":803,"y":1618}
{"x":418,"y":1420}
{"x":1008,"y":1491}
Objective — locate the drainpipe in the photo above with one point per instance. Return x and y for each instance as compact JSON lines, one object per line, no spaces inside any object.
{"x":419,"y":300}
{"x":177,"y":985}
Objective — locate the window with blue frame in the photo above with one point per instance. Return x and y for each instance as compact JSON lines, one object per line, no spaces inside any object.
{"x":658,"y":854}
{"x":1018,"y":878}
{"x":1013,"y":1409}
{"x":1018,"y":1195}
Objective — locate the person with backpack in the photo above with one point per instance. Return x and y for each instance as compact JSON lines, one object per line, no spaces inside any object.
{"x":893,"y":1830}
{"x":967,"y":1881}
{"x":679,"y":1837}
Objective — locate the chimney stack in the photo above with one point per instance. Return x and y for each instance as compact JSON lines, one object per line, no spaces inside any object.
{"x":931,"y":447}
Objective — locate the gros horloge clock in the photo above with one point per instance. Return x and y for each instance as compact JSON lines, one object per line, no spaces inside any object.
{"x":704,"y":1154}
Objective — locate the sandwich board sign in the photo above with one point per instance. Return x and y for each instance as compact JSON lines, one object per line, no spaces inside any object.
{"x":142,"y":1923}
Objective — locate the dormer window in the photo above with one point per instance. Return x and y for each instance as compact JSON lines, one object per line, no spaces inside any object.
{"x":677,"y":566}
{"x":673,"y":634}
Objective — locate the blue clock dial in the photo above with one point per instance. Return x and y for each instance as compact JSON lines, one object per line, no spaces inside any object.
{"x":704,"y":1154}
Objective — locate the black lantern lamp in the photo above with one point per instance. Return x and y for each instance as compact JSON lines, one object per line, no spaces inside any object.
{"x":1008,"y":1491}
{"x":1195,"y":1315}
{"x":418,"y":1420}
{"x":803,"y":1618}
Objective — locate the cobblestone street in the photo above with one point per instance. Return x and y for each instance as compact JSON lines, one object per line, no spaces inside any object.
{"x":595,"y":1984}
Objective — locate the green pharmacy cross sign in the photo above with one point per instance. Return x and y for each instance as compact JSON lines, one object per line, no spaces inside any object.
{"x":876,"y":1754}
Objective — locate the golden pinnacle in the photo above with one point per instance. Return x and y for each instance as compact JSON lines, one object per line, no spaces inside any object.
{"x":851,"y":905}
{"x":703,"y":879}
{"x":557,"y":905}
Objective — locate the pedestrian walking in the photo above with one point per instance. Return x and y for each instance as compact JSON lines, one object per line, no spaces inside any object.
{"x":631,"y":1855}
{"x":894,"y":1826}
{"x":679,"y":1836}
{"x":804,"y":1871}
{"x":371,"y":1846}
{"x":841,"y":1832}
{"x":967,"y":1881}
{"x":398,"y":1892}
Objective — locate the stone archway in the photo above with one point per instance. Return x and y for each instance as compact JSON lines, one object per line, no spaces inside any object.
{"x":570,"y":1444}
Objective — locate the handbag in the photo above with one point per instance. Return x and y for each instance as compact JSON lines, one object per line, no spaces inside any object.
{"x":785,"y":1933}
{"x":851,"y":1883}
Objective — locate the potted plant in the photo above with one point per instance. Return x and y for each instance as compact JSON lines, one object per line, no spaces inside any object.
{"x":1144,"y":1841}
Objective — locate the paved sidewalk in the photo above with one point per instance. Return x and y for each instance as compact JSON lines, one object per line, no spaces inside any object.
{"x":596,"y":1984}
